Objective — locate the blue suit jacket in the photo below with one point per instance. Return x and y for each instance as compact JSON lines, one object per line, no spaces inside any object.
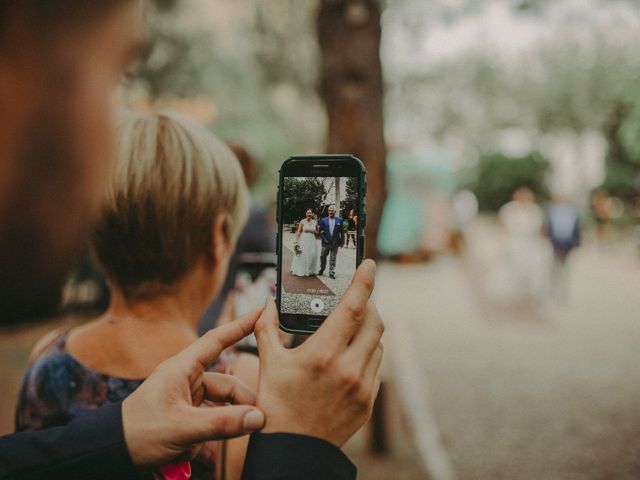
{"x":337,"y":240}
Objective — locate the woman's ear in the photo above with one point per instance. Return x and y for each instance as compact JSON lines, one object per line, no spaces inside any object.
{"x":220,"y":242}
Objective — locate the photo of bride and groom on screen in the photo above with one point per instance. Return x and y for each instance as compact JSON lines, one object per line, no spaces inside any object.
{"x":310,"y":258}
{"x":319,"y":249}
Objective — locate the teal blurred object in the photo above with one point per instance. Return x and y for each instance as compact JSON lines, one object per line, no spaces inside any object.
{"x":411,"y":177}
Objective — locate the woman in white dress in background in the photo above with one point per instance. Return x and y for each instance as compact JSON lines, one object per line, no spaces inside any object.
{"x":522,"y":276}
{"x":306,"y":261}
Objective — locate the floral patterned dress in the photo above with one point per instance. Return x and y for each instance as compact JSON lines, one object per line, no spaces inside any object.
{"x":56,"y":388}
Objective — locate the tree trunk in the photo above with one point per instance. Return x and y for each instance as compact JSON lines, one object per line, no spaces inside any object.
{"x":352,"y":91}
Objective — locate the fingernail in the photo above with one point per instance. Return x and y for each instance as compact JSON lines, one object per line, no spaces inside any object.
{"x":254,"y":420}
{"x":371,"y":265}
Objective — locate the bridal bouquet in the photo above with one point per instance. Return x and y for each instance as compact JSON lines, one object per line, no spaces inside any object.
{"x":297,"y":249}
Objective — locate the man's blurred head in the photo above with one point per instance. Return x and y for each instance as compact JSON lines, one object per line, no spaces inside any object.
{"x":524,"y":195}
{"x":247,"y":162}
{"x":332,"y":211}
{"x":60,"y":63}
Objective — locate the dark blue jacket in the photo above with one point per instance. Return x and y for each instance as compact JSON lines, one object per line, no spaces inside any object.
{"x":337,"y":240}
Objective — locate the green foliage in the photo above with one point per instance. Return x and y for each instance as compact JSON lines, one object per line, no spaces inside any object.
{"x":622,"y":181}
{"x":256,"y":72}
{"x":175,"y":62}
{"x":299,"y":195}
{"x":623,"y":158}
{"x":351,"y":200}
{"x":629,"y":135}
{"x":570,"y":81}
{"x":498,"y":176}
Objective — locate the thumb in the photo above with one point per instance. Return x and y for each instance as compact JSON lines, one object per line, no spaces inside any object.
{"x":266,"y":330}
{"x":215,"y":423}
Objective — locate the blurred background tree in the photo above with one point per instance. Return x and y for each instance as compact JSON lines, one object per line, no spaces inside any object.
{"x":225,"y":67}
{"x":259,"y":79}
{"x":517,"y":77}
{"x":350,"y":201}
{"x":499,"y":176}
{"x":351,"y":88}
{"x":288,"y":77}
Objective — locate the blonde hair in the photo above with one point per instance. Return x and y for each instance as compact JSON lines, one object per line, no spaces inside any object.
{"x":172,"y":179}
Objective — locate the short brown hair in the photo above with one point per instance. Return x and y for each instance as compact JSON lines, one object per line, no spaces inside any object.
{"x":172,"y":179}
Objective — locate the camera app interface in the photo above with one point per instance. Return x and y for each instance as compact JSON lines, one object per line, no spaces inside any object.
{"x":319,"y":235}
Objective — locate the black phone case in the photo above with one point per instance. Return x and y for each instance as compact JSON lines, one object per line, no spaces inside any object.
{"x":362,"y":223}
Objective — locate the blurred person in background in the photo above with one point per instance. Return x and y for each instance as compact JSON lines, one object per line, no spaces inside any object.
{"x":352,"y":228}
{"x":562,"y":226}
{"x":522,"y":279}
{"x":60,"y":63}
{"x":177,"y":203}
{"x":258,"y":236}
{"x":464,"y":209}
{"x":601,"y":208}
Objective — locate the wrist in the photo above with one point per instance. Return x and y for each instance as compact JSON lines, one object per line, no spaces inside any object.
{"x":283,"y":424}
{"x":133,"y":437}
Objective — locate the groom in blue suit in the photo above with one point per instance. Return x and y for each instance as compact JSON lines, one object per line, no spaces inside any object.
{"x":332,"y":239}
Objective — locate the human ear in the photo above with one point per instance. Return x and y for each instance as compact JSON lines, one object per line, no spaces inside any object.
{"x":220,"y":242}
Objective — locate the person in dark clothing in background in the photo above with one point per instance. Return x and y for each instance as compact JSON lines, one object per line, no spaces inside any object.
{"x":562,"y":226}
{"x":59,"y":64}
{"x":258,"y":236}
{"x":352,"y":228}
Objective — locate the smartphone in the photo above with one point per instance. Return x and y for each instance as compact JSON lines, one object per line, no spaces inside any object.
{"x":255,"y":281}
{"x":321,"y":220}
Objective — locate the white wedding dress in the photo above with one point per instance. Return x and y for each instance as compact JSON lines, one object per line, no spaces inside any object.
{"x":308,"y":262}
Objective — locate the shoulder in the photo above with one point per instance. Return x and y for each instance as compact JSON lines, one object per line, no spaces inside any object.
{"x":46,"y":344}
{"x":44,"y":385}
{"x":56,"y":387}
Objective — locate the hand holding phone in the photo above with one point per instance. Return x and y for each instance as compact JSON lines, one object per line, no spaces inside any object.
{"x":324,"y":388}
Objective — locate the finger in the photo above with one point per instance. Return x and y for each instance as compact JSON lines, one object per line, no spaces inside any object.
{"x":222,"y":422}
{"x":194,"y":451}
{"x":367,"y":338}
{"x":207,"y":348}
{"x":219,"y":387}
{"x":372,"y":369}
{"x":209,"y":452}
{"x":346,"y":319}
{"x":376,"y":387}
{"x":267,"y":328}
{"x":228,"y":310}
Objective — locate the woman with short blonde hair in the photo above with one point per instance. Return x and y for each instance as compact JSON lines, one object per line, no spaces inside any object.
{"x":177,"y":202}
{"x":171,"y":181}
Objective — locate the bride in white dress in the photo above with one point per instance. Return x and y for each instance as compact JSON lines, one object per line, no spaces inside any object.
{"x":307,"y":262}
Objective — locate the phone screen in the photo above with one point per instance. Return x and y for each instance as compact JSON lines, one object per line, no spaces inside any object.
{"x":319,"y":242}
